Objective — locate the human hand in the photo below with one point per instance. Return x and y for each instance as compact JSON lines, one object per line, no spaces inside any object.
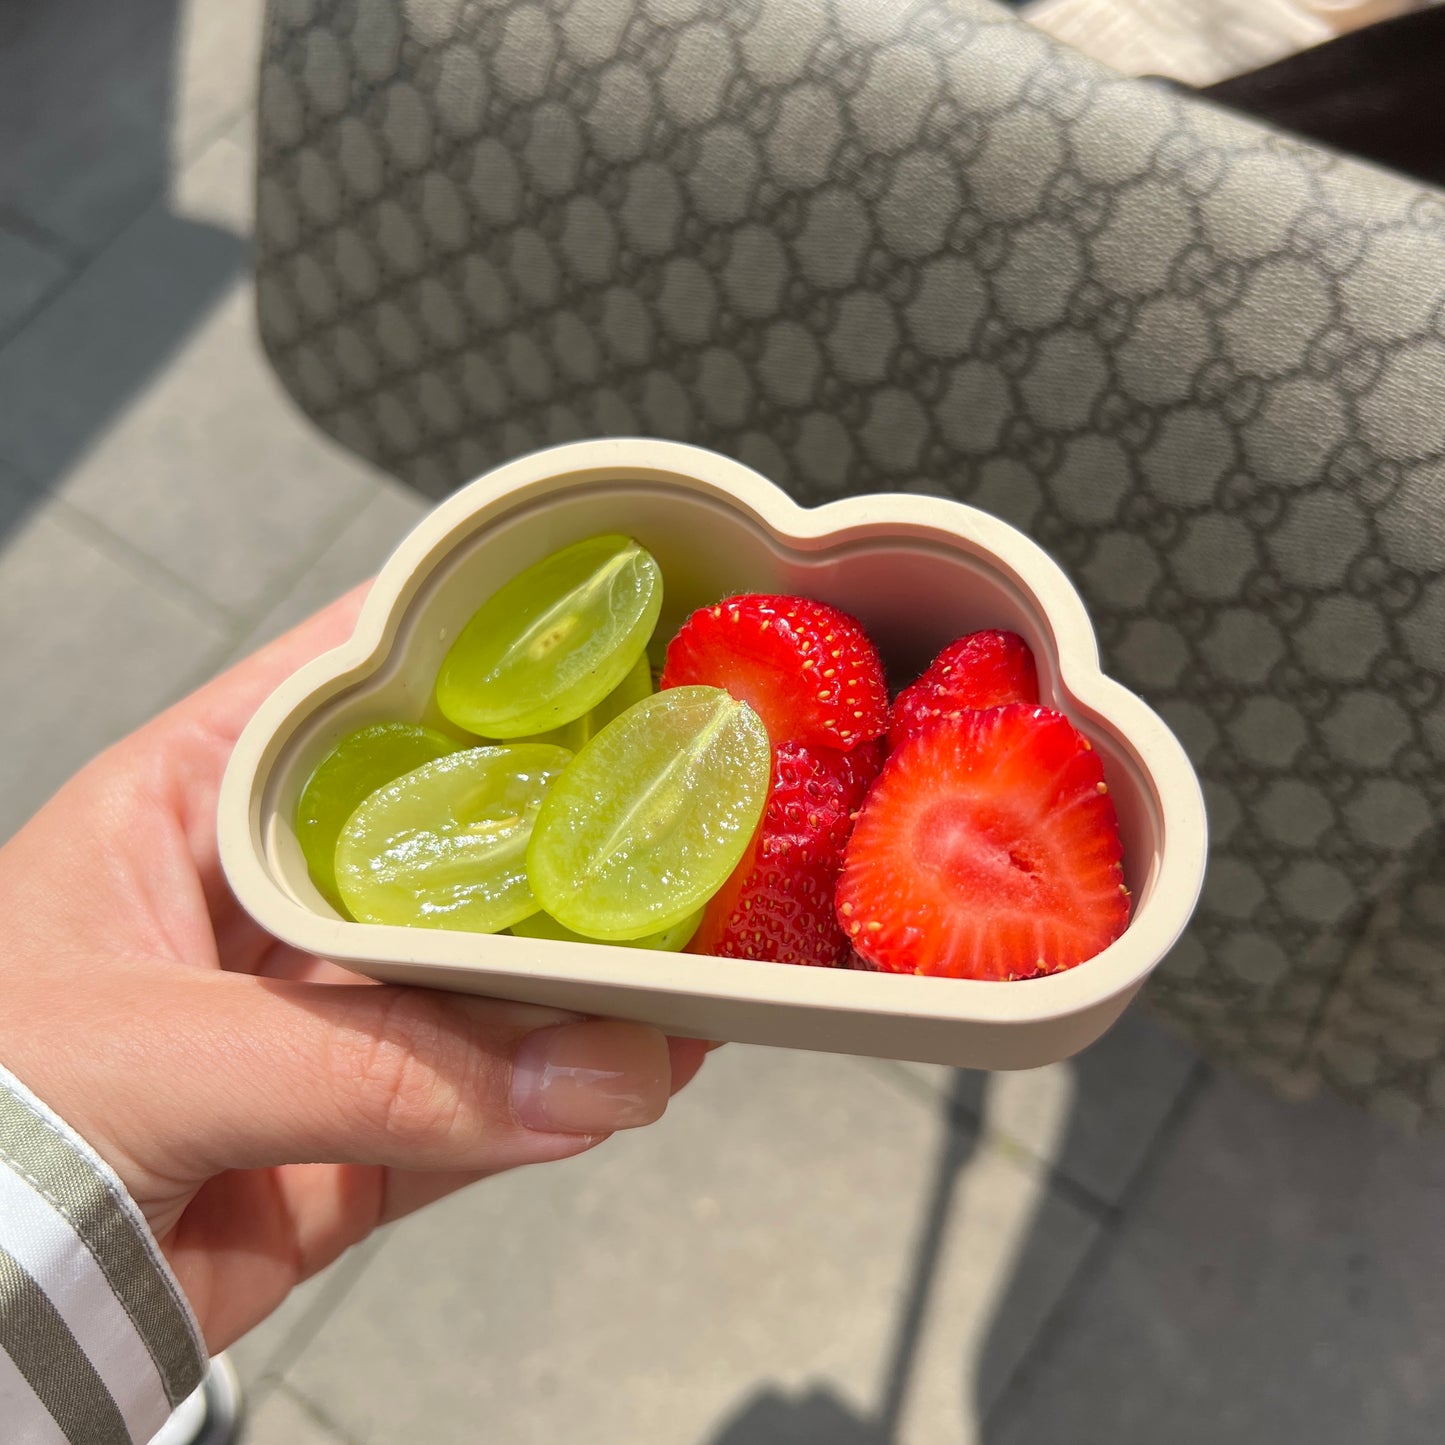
{"x":264,"y":1108}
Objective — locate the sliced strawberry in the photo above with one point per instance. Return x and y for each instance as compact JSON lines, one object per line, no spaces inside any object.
{"x":807,"y":669}
{"x":988,"y":848}
{"x":984,"y":669}
{"x":778,"y":902}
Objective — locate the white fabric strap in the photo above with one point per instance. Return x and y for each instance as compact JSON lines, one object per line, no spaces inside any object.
{"x":97,"y":1341}
{"x":27,"y":1421}
{"x":49,"y":1250}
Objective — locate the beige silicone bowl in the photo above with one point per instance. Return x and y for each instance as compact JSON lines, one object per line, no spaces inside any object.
{"x":917,"y":571}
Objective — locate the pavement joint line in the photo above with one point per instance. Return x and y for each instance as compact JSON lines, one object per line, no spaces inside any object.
{"x":218,"y":130}
{"x":156,"y":198}
{"x":18,"y":223}
{"x":239,"y":626}
{"x":1102,"y":1211}
{"x":236,"y":627}
{"x":906,"y":1081}
{"x":24,"y":317}
{"x":316,"y":1414}
{"x":1055,"y":1177}
{"x":334,"y":530}
{"x":217,"y":659}
{"x":141,"y":565}
{"x":255,"y":1392}
{"x":294,"y":1342}
{"x":1055,"y":1321}
{"x":1055,"y":1180}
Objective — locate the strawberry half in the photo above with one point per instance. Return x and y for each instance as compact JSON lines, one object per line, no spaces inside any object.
{"x":778,"y":903}
{"x":807,"y":669}
{"x":988,"y":848}
{"x":985,"y":669}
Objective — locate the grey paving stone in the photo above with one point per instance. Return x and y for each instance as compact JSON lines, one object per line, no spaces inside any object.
{"x":28,"y":273}
{"x":92,"y":649}
{"x":213,"y":475}
{"x":68,"y":375}
{"x":215,"y":68}
{"x":170,"y":429}
{"x":1277,"y":1281}
{"x":100,"y":98}
{"x":218,"y":188}
{"x":17,"y":495}
{"x":749,"y":1260}
{"x":267,"y":1352}
{"x":282,"y":1419}
{"x":1093,"y":1116}
{"x":356,"y":554}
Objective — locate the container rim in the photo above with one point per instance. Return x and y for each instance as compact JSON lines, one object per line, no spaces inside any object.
{"x":555,"y":472}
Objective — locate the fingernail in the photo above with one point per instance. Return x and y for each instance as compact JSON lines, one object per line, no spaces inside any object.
{"x":591,"y":1078}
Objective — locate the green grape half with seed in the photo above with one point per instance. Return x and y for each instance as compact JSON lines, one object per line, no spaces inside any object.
{"x":553,"y":642}
{"x":651,"y":817}
{"x":633,"y":688}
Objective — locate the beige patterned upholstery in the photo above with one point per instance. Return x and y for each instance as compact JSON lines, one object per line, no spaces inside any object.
{"x":867,"y":244}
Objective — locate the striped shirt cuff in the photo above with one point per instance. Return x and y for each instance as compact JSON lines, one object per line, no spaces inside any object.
{"x":97,"y":1342}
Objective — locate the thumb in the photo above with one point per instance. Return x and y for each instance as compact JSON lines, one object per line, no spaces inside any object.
{"x":228,"y":1071}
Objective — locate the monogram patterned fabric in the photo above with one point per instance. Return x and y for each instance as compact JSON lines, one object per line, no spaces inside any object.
{"x":877,"y":245}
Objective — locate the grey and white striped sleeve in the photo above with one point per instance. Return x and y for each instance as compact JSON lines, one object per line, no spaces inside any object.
{"x":97,"y":1342}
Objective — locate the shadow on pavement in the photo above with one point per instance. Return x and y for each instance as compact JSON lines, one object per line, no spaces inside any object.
{"x":984,"y":1378}
{"x":771,"y":1418}
{"x":87,"y":123}
{"x":1271,"y":1274}
{"x":1277,"y":1280}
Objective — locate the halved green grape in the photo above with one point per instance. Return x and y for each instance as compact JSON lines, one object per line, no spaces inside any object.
{"x":636,"y":687}
{"x":633,"y":688}
{"x":356,"y":767}
{"x":648,"y":820}
{"x":669,"y":940}
{"x":446,"y":845}
{"x":554,"y":641}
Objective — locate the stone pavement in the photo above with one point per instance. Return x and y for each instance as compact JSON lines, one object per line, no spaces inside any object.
{"x":809,"y":1250}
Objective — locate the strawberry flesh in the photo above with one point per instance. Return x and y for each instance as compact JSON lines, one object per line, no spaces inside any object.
{"x":778,"y":903}
{"x":988,"y":848}
{"x":984,"y":669}
{"x":808,"y":670}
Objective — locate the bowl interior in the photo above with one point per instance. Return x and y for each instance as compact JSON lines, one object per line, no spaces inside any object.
{"x":914,"y":589}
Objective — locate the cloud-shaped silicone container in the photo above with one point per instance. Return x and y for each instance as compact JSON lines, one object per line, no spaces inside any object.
{"x":917,"y":571}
